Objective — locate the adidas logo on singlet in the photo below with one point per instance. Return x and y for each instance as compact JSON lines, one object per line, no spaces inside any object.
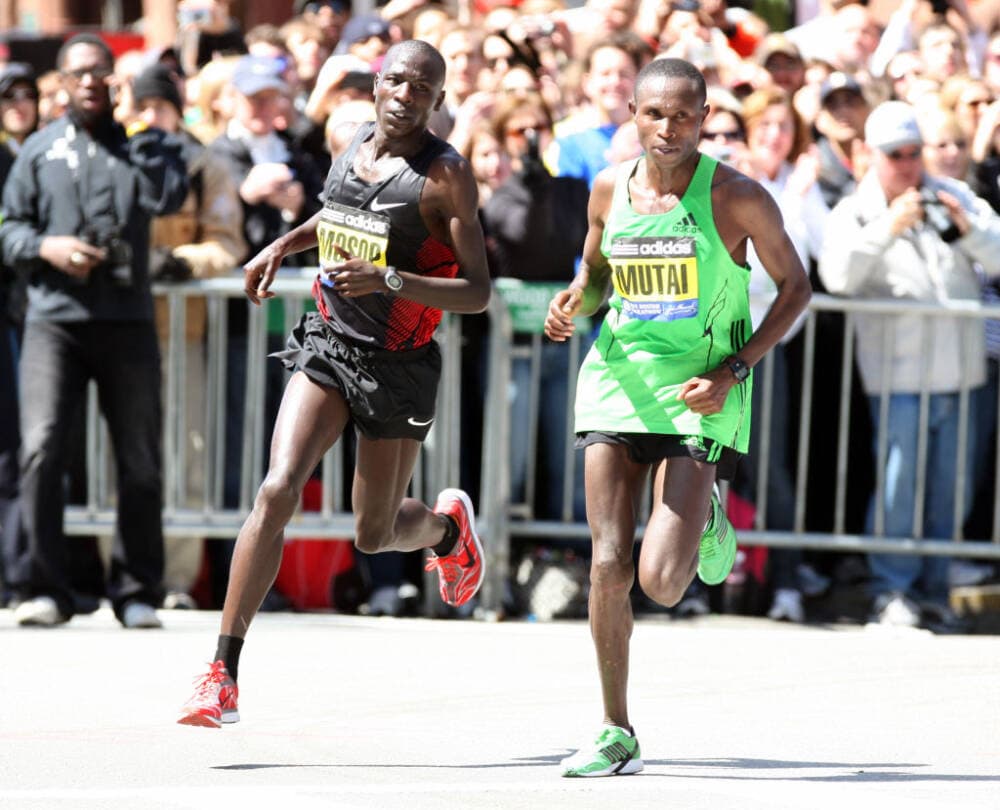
{"x":687,"y":225}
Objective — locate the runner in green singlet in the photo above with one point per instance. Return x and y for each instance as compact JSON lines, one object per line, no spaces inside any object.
{"x":666,"y":386}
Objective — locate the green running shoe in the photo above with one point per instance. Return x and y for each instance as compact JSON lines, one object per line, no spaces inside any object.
{"x":717,"y":551}
{"x":614,"y":753}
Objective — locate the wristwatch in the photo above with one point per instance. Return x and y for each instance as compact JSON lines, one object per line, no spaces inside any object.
{"x":739,"y":368}
{"x":393,"y":280}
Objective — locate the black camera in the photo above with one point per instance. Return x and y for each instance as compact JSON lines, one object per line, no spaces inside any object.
{"x":118,"y":254}
{"x":165,"y":266}
{"x":936,"y":215}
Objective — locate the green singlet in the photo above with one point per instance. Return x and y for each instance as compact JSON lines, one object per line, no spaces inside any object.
{"x":680,"y":306}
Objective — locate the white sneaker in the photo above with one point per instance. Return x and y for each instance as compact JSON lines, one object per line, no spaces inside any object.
{"x":140,"y":615}
{"x":42,"y":611}
{"x":966,"y":572}
{"x":384,"y":601}
{"x":787,"y":606}
{"x":178,"y":600}
{"x":811,"y":582}
{"x":895,"y":610}
{"x":695,"y":604}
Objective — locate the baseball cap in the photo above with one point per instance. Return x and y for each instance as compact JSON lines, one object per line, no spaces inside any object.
{"x":359,"y":28}
{"x":254,"y":74}
{"x":891,"y":125}
{"x":156,"y":81}
{"x":15,"y":72}
{"x":839,"y":81}
{"x":339,"y":6}
{"x":776,"y":43}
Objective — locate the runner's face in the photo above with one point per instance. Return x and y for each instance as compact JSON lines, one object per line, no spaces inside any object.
{"x":668,"y":115}
{"x":407,"y":91}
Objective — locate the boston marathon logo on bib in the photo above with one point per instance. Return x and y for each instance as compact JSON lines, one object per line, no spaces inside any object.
{"x":360,"y":233}
{"x":656,"y":276}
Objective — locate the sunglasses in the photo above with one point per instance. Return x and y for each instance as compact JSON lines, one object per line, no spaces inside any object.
{"x":20,"y":94}
{"x":898,"y":155}
{"x":522,"y":131}
{"x":491,"y":64}
{"x":959,"y":144}
{"x":98,"y":74}
{"x":725,"y":134}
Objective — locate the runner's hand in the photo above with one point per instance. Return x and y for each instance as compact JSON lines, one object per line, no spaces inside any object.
{"x":259,"y":273}
{"x":706,"y":394}
{"x":562,"y":309}
{"x":355,"y":277}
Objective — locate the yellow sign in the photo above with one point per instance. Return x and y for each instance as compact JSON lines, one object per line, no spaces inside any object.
{"x":656,"y":277}
{"x":361,"y":234}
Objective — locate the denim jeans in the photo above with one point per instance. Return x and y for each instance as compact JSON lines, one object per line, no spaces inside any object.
{"x":780,"y":481}
{"x":919,"y":576}
{"x":57,"y":361}
{"x":10,"y":438}
{"x":554,"y":409}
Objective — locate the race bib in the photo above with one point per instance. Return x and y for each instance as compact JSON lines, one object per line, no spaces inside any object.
{"x":361,"y":233}
{"x":656,"y":277}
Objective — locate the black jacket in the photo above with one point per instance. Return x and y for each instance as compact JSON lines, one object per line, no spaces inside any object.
{"x":97,"y":186}
{"x":535,"y":226}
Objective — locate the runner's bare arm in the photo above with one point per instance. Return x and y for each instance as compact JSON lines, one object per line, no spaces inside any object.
{"x":590,"y":288}
{"x":754,"y":210}
{"x":744,"y":210}
{"x":260,"y":271}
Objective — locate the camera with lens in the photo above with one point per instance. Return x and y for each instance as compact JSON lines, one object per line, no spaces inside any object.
{"x":936,"y":215}
{"x":538,"y":26}
{"x":118,"y":254}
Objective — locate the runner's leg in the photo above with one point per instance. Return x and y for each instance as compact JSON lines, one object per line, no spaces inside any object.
{"x":310,"y":420}
{"x":385,"y":519}
{"x":613,"y":484}
{"x":668,"y":559}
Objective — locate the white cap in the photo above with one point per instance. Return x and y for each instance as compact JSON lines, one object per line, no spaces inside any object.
{"x":892,"y":124}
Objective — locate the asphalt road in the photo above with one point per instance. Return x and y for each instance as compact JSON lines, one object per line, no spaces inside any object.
{"x":342,"y":712}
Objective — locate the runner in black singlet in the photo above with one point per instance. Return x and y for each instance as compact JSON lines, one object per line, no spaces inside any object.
{"x":400,"y":242}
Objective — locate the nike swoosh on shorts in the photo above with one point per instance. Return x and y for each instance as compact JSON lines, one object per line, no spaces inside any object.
{"x":415,"y":423}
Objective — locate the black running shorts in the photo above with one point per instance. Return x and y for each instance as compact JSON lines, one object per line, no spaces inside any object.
{"x":391,"y":395}
{"x":652,"y":448}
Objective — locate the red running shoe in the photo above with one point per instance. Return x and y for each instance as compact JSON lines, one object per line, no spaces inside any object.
{"x":214,"y":700}
{"x":461,"y":572}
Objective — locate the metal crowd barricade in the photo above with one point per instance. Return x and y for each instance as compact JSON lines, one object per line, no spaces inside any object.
{"x":499,"y":519}
{"x":207,"y":516}
{"x":799,"y":536}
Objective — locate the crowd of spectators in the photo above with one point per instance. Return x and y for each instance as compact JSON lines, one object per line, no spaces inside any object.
{"x":537,"y":99}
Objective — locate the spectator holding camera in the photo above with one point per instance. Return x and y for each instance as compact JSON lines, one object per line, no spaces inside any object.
{"x":76,"y":210}
{"x":912,"y":236}
{"x":206,"y":29}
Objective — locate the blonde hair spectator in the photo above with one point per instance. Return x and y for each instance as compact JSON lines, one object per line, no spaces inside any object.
{"x":208,"y":98}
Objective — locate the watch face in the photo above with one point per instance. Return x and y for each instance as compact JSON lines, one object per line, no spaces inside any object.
{"x":740,"y":369}
{"x":393,"y":280}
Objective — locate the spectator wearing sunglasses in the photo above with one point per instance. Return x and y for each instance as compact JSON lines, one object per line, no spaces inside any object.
{"x":914,"y":236}
{"x":18,"y":119}
{"x":18,"y":105}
